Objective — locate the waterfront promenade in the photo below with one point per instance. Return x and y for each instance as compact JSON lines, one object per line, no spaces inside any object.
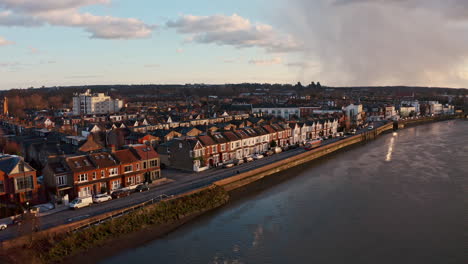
{"x":182,"y":183}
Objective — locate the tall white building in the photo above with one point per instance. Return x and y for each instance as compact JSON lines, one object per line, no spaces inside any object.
{"x":354,"y":113}
{"x":97,"y":103}
{"x":284,"y":111}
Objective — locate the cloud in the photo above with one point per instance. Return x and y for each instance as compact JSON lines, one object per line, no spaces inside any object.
{"x":179,"y":50}
{"x":34,"y":6}
{"x":9,"y":19}
{"x":30,"y":13}
{"x":5,"y":42}
{"x":363,"y":42}
{"x":233,"y":31}
{"x":273,"y":61}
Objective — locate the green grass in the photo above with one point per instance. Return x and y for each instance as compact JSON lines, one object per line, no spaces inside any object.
{"x":56,"y":248}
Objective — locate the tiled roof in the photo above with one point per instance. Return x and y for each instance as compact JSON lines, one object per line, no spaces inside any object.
{"x":90,"y":145}
{"x":145,"y":152}
{"x":206,"y":140}
{"x":125,"y":156}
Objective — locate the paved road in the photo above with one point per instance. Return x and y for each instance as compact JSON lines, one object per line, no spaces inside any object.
{"x":185,"y":182}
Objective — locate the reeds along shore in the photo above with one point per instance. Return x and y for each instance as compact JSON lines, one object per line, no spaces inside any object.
{"x":55,"y":248}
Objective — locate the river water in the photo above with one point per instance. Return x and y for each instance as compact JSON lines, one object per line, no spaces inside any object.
{"x":398,"y":199}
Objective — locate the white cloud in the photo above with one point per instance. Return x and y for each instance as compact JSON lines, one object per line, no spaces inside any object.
{"x":9,"y":19}
{"x":34,"y":6}
{"x":66,"y":13}
{"x":273,"y":61}
{"x":5,"y":42}
{"x":234,"y":31}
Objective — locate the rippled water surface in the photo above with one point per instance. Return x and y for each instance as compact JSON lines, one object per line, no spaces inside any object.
{"x":398,"y":199}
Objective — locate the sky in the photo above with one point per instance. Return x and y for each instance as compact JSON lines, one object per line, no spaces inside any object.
{"x":336,"y":42}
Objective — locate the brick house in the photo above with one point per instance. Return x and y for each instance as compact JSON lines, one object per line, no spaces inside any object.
{"x":149,"y":162}
{"x":18,"y":183}
{"x":130,"y":167}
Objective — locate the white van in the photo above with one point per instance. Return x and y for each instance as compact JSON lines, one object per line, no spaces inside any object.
{"x":81,"y":202}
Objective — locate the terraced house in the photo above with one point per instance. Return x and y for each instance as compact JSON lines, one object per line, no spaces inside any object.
{"x":101,"y":172}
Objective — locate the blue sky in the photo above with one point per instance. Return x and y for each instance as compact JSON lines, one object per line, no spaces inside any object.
{"x":63,"y":55}
{"x":337,"y":42}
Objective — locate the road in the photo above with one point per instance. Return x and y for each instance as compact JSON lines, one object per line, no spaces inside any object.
{"x":184,"y":182}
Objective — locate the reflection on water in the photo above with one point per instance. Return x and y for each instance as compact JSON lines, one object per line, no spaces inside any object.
{"x":355,"y":207}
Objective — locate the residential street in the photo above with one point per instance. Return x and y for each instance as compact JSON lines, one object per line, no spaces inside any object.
{"x":183,"y":182}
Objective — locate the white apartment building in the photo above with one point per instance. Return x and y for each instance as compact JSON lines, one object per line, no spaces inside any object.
{"x":353,"y":112}
{"x":284,"y":111}
{"x":95,"y":103}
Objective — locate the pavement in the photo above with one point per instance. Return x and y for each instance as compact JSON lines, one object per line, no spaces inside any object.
{"x":178,"y":182}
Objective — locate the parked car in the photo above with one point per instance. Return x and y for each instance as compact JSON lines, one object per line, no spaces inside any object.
{"x":277,"y":150}
{"x":228,"y":165}
{"x":285,"y":148}
{"x":142,"y":188}
{"x":257,"y":156}
{"x":248,"y":159}
{"x":103,"y":197}
{"x":81,"y":202}
{"x":120,"y":193}
{"x":3,"y":226}
{"x":269,"y":153}
{"x":238,"y":161}
{"x":370,"y":127}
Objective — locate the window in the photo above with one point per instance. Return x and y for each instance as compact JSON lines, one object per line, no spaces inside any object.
{"x":85,"y":191}
{"x":2,"y":187}
{"x":213,"y":149}
{"x":103,"y":174}
{"x":113,"y":171}
{"x":131,"y":180}
{"x":144,"y":165}
{"x":24,"y":183}
{"x":138,"y":179}
{"x":94,"y":175}
{"x":138,"y":166}
{"x":83,"y":177}
{"x":116,"y":184}
{"x":154,"y":163}
{"x":223,"y":147}
{"x":128,"y":169}
{"x":61,"y":180}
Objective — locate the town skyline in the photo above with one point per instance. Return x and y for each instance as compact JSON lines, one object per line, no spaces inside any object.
{"x":66,"y":43}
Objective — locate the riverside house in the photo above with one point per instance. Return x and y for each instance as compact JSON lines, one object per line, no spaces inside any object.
{"x":18,"y":183}
{"x":101,"y":172}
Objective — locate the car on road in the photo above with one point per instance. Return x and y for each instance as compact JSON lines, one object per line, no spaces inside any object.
{"x":142,"y":188}
{"x":103,"y":197}
{"x":248,"y":159}
{"x":277,"y":150}
{"x":258,"y":156}
{"x":3,"y":226}
{"x":228,"y":165}
{"x":81,"y":202}
{"x":370,"y":127}
{"x":238,"y":161}
{"x":120,"y":193}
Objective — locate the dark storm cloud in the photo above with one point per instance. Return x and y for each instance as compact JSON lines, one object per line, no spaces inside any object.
{"x":383,"y":42}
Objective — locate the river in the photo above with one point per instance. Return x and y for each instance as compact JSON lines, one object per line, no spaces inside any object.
{"x":398,"y":199}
